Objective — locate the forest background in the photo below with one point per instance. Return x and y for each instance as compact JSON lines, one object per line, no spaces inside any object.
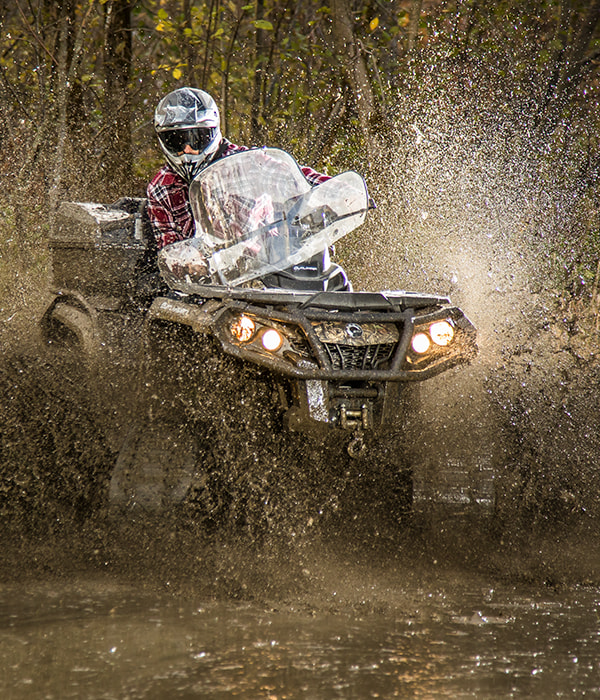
{"x":481,"y":104}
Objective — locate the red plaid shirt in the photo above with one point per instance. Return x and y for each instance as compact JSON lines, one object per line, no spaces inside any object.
{"x":169,"y":203}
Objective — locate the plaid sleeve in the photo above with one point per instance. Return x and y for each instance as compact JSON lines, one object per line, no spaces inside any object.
{"x":314,"y":177}
{"x":169,"y":208}
{"x":233,"y":148}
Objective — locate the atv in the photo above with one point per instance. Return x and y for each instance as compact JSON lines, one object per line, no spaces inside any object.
{"x":239,"y":371}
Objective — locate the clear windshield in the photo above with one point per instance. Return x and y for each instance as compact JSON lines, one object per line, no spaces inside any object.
{"x":256,"y":213}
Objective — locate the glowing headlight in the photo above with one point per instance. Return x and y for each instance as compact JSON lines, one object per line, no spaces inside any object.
{"x":272,"y":340}
{"x":242,"y":329}
{"x":441,"y":332}
{"x":420,"y":343}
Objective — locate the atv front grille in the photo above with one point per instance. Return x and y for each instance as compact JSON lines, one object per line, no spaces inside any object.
{"x":359,"y":356}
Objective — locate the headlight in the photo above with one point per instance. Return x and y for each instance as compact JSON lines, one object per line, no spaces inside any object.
{"x":272,"y":340}
{"x":420,"y":343}
{"x":243,"y":328}
{"x":441,"y":332}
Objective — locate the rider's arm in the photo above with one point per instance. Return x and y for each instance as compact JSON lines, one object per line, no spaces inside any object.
{"x":314,"y":177}
{"x":169,"y":208}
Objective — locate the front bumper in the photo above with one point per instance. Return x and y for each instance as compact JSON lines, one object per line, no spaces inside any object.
{"x":318,"y":344}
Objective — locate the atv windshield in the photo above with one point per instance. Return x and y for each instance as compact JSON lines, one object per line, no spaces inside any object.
{"x":255,"y":213}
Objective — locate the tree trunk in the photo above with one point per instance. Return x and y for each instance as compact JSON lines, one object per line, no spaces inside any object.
{"x":187,"y":44}
{"x":413,"y":25}
{"x":348,"y":50}
{"x":69,"y":53}
{"x":260,"y":59}
{"x":118,"y":156}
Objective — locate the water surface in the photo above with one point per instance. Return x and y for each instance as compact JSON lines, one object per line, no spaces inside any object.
{"x":440,"y":635}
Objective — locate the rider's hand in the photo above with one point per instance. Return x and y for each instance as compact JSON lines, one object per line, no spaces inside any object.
{"x":197,"y":269}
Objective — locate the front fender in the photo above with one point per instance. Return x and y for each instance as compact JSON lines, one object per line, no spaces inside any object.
{"x":71,"y":321}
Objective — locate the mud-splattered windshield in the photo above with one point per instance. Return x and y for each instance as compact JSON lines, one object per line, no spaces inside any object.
{"x":256,"y":213}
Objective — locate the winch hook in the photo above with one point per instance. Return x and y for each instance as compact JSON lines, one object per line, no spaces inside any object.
{"x":356,"y":445}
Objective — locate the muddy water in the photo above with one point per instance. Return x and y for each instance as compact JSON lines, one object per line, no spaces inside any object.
{"x":353,"y":633}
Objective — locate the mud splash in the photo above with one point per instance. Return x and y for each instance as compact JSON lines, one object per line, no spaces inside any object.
{"x":463,"y":209}
{"x":452,"y":601}
{"x":472,"y":205}
{"x":60,"y":445}
{"x":54,"y":462}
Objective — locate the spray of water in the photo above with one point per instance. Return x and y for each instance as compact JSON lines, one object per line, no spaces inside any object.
{"x":471,"y":206}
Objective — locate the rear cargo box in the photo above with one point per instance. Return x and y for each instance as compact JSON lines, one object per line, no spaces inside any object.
{"x":96,"y":248}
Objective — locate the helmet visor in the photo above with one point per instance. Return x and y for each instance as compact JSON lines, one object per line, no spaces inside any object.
{"x":175,"y":140}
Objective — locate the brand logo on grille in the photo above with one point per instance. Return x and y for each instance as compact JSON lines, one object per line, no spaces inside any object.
{"x":353,"y":330}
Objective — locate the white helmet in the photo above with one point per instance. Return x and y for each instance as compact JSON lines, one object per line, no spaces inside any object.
{"x":188,"y":116}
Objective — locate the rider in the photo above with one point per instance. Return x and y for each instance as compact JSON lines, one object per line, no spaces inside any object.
{"x":188,"y":128}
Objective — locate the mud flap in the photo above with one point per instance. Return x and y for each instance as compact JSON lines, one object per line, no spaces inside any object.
{"x":154,"y":469}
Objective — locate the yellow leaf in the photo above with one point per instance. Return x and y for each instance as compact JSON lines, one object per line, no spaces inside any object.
{"x":160,"y":27}
{"x":177,"y":73}
{"x":374,"y":23}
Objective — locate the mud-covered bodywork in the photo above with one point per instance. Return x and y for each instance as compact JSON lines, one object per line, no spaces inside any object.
{"x":334,"y":361}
